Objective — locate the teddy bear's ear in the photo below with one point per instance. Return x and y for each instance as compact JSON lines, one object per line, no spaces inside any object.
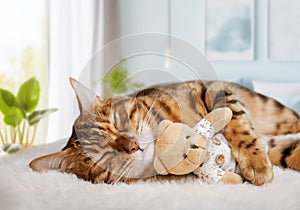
{"x":163,"y":125}
{"x":219,"y":118}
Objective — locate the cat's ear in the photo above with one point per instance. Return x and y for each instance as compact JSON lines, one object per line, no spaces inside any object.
{"x":49,"y":162}
{"x":85,"y":96}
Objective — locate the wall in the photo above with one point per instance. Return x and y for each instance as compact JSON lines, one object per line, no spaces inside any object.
{"x":138,"y":16}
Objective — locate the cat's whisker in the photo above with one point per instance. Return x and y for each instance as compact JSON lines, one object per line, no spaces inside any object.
{"x":148,"y":114}
{"x":129,"y":173}
{"x":151,"y":119}
{"x":123,"y":170}
{"x":157,"y":113}
{"x":139,"y":116}
{"x":152,"y":105}
{"x":147,"y":120}
{"x":144,"y":123}
{"x":118,"y":177}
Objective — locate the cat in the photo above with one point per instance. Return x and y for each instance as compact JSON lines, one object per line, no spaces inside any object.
{"x":113,"y":139}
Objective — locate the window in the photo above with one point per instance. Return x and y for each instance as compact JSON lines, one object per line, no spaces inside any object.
{"x":23,"y":48}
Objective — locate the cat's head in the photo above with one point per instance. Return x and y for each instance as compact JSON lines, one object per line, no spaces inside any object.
{"x":109,"y":141}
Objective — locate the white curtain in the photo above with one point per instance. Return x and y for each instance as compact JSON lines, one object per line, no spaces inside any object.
{"x":76,"y":30}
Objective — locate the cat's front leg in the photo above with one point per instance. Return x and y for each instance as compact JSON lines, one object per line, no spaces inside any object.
{"x":247,"y":147}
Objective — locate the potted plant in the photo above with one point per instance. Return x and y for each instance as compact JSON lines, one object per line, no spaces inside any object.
{"x":117,"y":81}
{"x":20,"y":117}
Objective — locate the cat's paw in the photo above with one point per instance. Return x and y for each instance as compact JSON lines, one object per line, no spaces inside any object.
{"x":256,"y":168}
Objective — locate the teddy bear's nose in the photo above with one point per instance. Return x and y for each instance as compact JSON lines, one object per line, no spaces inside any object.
{"x":194,"y":146}
{"x":197,"y":146}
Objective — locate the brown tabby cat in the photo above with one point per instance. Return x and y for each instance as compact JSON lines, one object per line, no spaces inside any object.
{"x":113,"y":139}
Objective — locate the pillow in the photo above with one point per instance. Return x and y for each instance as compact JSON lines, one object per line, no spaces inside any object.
{"x":286,"y":93}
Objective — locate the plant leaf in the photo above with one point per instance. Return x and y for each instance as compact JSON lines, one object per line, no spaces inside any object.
{"x":28,"y":95}
{"x":11,"y":148}
{"x":7,"y":101}
{"x":36,"y":116}
{"x":14,"y":117}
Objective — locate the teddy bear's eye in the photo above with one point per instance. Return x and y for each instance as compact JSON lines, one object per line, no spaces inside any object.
{"x":187,"y":137}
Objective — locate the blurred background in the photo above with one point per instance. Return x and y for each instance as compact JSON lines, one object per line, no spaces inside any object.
{"x":252,"y":42}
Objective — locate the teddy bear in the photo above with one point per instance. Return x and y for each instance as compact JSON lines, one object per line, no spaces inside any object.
{"x":180,"y":149}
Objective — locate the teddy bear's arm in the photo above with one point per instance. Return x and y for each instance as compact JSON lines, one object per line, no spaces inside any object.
{"x":214,"y":174}
{"x":209,"y":173}
{"x":231,"y":178}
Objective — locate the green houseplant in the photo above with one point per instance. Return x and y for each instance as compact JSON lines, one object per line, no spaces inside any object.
{"x":20,"y":117}
{"x":117,"y":81}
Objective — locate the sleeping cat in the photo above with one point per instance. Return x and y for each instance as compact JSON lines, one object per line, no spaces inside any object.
{"x":113,"y":139}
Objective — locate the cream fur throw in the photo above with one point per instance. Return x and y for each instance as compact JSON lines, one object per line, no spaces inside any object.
{"x":21,"y":188}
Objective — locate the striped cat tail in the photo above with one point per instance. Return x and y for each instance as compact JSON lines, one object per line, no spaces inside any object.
{"x":285,"y":153}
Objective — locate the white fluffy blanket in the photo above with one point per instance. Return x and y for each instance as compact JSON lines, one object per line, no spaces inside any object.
{"x":22,"y":188}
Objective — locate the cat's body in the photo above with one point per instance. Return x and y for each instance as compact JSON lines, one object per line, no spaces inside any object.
{"x":113,"y":139}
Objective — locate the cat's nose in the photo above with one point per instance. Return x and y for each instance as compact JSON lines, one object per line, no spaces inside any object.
{"x":134,"y":147}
